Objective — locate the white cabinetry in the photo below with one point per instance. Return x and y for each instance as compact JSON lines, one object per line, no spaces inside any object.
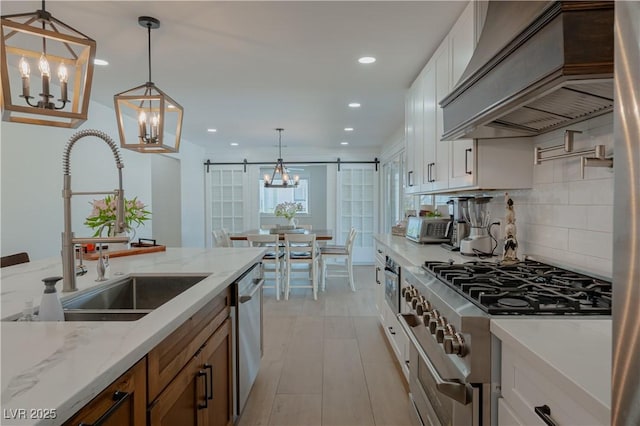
{"x":436,"y":153}
{"x":380,"y":300}
{"x":414,"y":136}
{"x":529,"y":394}
{"x":463,"y":164}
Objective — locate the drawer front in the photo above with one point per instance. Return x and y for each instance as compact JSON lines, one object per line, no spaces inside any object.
{"x":123,"y":403}
{"x":506,"y":416}
{"x":167,"y":359}
{"x":524,"y":387}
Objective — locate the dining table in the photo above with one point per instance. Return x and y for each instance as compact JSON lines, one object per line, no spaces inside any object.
{"x":321,"y":234}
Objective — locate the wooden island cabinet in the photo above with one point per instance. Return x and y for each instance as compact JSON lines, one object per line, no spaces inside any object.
{"x":186,"y":379}
{"x":123,"y":403}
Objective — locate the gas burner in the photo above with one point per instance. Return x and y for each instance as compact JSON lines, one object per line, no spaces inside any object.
{"x":527,"y":287}
{"x":511,"y":302}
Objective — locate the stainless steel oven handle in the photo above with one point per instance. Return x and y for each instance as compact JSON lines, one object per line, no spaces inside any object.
{"x":460,"y":392}
{"x":258,"y":285}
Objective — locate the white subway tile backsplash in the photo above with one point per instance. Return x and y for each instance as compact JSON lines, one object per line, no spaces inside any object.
{"x":591,"y":243}
{"x":548,"y":193}
{"x":543,"y":173}
{"x":599,"y":218}
{"x":563,"y":217}
{"x":573,"y":217}
{"x":545,"y":236}
{"x":591,"y":192}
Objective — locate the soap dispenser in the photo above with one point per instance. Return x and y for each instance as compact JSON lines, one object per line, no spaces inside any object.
{"x":50,"y":306}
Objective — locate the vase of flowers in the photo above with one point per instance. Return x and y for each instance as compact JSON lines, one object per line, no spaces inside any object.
{"x":288,"y":210}
{"x":103,"y":216}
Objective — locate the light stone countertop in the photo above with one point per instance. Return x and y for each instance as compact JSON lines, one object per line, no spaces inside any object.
{"x":409,"y":253}
{"x":63,"y":365}
{"x":574,"y":352}
{"x":577,"y":351}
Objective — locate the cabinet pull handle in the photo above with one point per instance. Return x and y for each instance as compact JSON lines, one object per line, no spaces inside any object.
{"x":377,"y":279}
{"x":466,"y":161}
{"x":544,"y":412}
{"x":431,"y":166}
{"x":409,"y":180}
{"x":391,"y":330}
{"x":210,"y":384}
{"x":119,"y":398}
{"x":203,"y":373}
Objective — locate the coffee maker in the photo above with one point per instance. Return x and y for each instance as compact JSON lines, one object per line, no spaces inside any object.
{"x":459,"y":228}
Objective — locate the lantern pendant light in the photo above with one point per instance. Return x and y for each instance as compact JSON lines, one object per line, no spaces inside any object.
{"x":149,"y":120}
{"x":280,"y":172}
{"x":39,"y":38}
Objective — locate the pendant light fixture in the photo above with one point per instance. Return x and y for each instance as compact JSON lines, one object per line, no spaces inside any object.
{"x":280,"y":172}
{"x":149,"y":121}
{"x":37,"y":39}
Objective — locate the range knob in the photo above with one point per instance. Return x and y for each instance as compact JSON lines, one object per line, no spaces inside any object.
{"x":404,"y":291}
{"x":429,"y":315}
{"x":443,"y":330}
{"x":454,"y":345}
{"x":423,"y":306}
{"x":415,"y":301}
{"x":410,"y":293}
{"x":435,"y":323}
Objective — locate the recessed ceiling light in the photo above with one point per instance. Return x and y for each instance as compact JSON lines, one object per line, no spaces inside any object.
{"x":234,"y":144}
{"x":344,"y":143}
{"x":348,"y":129}
{"x":367,"y":60}
{"x":101,"y":62}
{"x":212,"y":130}
{"x":354,"y":105}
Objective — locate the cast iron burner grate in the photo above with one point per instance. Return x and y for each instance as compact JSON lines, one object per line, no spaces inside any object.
{"x":526,"y":288}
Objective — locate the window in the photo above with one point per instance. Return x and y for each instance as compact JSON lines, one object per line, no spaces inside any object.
{"x":270,"y":197}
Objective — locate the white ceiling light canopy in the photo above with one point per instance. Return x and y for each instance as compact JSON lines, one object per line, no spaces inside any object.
{"x":367,"y":60}
{"x":158,"y":115}
{"x":39,"y":38}
{"x":280,"y":171}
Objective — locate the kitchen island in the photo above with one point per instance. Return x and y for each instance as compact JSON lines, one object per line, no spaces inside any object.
{"x":61,"y":366}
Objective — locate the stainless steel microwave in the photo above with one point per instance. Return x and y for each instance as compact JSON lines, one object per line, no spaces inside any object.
{"x":428,"y":230}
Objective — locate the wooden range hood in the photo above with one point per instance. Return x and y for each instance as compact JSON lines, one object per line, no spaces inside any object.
{"x":538,"y":66}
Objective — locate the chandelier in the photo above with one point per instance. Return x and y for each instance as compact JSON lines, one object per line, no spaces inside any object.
{"x":280,"y":172}
{"x":39,"y":38}
{"x":158,"y":118}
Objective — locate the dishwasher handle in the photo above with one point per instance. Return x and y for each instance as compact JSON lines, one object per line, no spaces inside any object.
{"x":258,"y":283}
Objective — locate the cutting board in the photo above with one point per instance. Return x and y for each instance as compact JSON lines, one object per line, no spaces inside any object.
{"x":128,"y":252}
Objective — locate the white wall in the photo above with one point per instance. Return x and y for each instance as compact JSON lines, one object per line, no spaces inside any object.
{"x":31,"y":181}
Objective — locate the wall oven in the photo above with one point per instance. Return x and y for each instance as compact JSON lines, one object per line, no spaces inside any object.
{"x":392,"y":284}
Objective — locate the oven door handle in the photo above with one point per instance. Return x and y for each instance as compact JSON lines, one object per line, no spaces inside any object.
{"x":460,"y":392}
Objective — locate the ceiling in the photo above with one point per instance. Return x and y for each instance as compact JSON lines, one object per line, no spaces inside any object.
{"x":245,"y":68}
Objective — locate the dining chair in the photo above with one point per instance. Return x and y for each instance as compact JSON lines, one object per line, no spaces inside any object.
{"x":274,"y":257}
{"x":14,"y":259}
{"x":343,"y":254}
{"x":301,"y":249}
{"x":221,"y":238}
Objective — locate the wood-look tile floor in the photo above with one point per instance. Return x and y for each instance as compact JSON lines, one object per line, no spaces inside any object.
{"x":327,"y":362}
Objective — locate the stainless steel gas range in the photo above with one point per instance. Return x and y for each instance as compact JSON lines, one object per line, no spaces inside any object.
{"x":446,"y":312}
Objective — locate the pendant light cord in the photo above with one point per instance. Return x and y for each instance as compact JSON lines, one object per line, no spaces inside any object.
{"x":148,"y":49}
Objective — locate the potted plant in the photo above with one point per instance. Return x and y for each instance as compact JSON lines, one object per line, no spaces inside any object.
{"x":103,"y":215}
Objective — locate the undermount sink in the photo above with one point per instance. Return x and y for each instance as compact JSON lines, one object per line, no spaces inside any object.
{"x":137,"y":292}
{"x":128,"y":299}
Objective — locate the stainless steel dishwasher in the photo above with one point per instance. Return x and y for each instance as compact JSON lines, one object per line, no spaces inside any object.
{"x":248,"y":333}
